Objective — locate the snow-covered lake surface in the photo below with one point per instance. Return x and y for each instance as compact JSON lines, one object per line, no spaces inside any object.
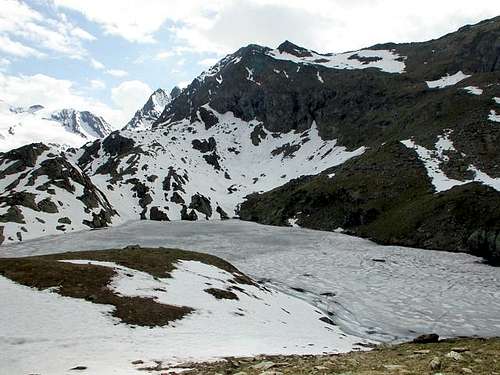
{"x":380,"y":292}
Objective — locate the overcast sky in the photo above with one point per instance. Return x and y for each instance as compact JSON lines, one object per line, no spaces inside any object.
{"x":107,"y":56}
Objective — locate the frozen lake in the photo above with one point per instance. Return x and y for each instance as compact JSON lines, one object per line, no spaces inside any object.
{"x":385,"y":293}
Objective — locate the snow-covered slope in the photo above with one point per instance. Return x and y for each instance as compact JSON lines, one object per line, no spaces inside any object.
{"x":230,"y":315}
{"x":151,"y":111}
{"x":188,"y":171}
{"x":43,"y":192}
{"x":62,"y":128}
{"x":83,"y":123}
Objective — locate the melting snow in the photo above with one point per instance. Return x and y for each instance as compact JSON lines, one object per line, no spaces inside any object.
{"x":447,"y":80}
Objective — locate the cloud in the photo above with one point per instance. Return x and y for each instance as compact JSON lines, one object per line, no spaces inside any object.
{"x":222,"y":26}
{"x":53,"y":93}
{"x":17,"y":49}
{"x":208,"y":61}
{"x":183,"y":84}
{"x":165,"y":55}
{"x":138,"y":21}
{"x":117,"y":73}
{"x":97,"y":84}
{"x":4,"y":63}
{"x":96,"y":64}
{"x":22,"y":27}
{"x":130,"y":96}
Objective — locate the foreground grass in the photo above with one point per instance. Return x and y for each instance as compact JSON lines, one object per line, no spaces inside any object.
{"x":457,"y":356}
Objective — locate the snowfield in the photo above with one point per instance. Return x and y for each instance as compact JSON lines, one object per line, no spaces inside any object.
{"x":71,"y":332}
{"x":383,"y":293}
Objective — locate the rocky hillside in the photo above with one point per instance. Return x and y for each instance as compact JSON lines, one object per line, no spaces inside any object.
{"x":422,"y":121}
{"x":60,"y":129}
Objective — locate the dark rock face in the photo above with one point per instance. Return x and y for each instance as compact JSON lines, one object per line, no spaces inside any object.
{"x":205,"y":145}
{"x":158,"y":215}
{"x":486,"y":243}
{"x":201,"y":204}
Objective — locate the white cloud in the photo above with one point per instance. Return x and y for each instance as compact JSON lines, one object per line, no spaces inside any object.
{"x":96,"y":64}
{"x":183,"y":84}
{"x":27,"y":31}
{"x":117,"y":73}
{"x":4,"y":63}
{"x":130,"y":96}
{"x":137,"y":21}
{"x":53,"y":93}
{"x":222,"y":26}
{"x":164,"y":55}
{"x":17,"y":49}
{"x":97,"y":84}
{"x":208,"y":61}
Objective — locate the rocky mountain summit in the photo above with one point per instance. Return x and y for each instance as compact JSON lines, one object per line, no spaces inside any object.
{"x":151,"y":111}
{"x":396,"y":142}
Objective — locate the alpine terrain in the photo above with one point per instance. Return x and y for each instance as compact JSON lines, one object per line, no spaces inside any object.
{"x":396,"y":142}
{"x":327,"y":202}
{"x":59,"y":129}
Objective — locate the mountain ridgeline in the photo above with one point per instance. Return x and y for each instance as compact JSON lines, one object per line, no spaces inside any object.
{"x":398,"y":143}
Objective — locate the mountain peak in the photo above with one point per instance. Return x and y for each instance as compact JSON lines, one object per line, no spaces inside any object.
{"x":293,"y":49}
{"x":152,"y":109}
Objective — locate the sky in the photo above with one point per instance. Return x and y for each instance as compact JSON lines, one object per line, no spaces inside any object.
{"x":108,"y":56}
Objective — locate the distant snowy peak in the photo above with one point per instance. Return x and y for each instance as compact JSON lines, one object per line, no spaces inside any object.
{"x":151,"y":111}
{"x":83,"y":123}
{"x":60,"y":129}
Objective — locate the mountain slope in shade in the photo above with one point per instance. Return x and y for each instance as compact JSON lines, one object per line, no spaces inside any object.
{"x":61,"y":129}
{"x":151,"y":111}
{"x":263,"y":117}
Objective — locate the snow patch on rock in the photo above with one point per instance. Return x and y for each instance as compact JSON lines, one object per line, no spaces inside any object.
{"x":447,"y":80}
